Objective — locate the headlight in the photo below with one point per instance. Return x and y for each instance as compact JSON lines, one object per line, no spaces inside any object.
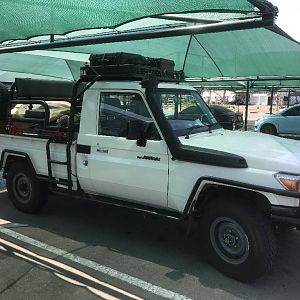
{"x":290,"y":182}
{"x":258,"y":120}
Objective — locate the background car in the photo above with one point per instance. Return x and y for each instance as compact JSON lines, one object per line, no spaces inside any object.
{"x":286,"y":121}
{"x":227,"y":118}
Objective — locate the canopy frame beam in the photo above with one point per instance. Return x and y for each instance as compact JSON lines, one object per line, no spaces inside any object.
{"x":266,"y":20}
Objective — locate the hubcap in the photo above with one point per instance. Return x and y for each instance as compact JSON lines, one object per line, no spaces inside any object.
{"x":229,"y":240}
{"x":22,"y":187}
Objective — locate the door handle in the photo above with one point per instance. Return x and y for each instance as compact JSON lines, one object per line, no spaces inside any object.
{"x":85,"y":163}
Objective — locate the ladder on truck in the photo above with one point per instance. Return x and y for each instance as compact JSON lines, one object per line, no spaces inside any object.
{"x":67,"y":163}
{"x":75,"y":108}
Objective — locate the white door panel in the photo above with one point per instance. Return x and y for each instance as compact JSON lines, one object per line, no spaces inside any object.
{"x":121,"y":169}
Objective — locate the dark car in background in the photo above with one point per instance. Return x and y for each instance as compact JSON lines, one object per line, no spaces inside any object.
{"x":227,"y":118}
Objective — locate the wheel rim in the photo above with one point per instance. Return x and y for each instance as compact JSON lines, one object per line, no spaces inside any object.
{"x":229,"y":240}
{"x":22,"y":188}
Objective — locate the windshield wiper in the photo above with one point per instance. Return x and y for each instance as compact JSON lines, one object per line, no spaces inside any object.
{"x":190,"y":129}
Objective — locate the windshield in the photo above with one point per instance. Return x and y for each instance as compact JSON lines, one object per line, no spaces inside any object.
{"x":186,"y":112}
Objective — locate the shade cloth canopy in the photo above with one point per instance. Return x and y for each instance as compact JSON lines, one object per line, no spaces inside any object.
{"x":241,"y":53}
{"x":41,"y":64}
{"x":245,"y":53}
{"x":22,"y":19}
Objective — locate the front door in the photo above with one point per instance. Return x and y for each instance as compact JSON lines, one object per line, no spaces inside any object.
{"x":119,"y":167}
{"x":290,"y":121}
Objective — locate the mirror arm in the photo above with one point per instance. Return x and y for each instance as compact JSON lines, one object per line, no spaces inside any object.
{"x":141,"y":142}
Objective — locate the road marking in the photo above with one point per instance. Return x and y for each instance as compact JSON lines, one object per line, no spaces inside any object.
{"x":146,"y":286}
{"x":65,"y":267}
{"x":4,"y":222}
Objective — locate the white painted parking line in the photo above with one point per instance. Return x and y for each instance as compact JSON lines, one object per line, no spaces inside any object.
{"x":134,"y":281}
{"x":52,"y":264}
{"x":4,"y":222}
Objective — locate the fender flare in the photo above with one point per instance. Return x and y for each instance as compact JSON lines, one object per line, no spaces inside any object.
{"x":203,"y":182}
{"x":6,"y":153}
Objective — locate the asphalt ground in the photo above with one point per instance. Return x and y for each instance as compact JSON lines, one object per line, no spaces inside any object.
{"x":75,"y":249}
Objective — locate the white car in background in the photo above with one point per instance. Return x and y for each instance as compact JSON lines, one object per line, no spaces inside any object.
{"x":286,"y":121}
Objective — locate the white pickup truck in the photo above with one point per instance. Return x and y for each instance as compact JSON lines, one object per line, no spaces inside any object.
{"x":123,"y":143}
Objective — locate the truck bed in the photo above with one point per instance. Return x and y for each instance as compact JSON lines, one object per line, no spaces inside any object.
{"x":35,"y":148}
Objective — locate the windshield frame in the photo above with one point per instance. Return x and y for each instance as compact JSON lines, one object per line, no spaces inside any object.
{"x":199,"y":101}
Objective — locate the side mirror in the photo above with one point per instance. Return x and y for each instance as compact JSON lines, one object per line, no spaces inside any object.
{"x":135,"y":130}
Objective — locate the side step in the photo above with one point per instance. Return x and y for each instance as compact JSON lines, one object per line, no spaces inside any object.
{"x":121,"y":203}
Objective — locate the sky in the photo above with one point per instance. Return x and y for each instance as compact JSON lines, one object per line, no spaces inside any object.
{"x":288,"y":17}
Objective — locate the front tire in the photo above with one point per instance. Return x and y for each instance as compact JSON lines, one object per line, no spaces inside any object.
{"x":25,"y":192}
{"x":238,"y":239}
{"x":269,"y":129}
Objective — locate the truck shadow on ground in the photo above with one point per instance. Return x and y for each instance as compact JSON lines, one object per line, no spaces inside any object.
{"x":160,"y":241}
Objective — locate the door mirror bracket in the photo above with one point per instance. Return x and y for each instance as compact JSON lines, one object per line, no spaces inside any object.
{"x":142,"y":142}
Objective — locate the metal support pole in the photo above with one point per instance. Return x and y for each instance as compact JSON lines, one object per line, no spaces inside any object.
{"x":272,"y":97}
{"x":288,"y":99}
{"x":247,"y":105}
{"x":51,"y":38}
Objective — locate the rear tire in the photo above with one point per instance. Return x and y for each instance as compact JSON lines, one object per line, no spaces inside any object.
{"x":238,"y":239}
{"x":25,"y":192}
{"x":269,"y":129}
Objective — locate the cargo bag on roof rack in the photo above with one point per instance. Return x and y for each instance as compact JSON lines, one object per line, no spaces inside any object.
{"x":161,"y":63}
{"x":127,"y":66}
{"x":119,"y":58}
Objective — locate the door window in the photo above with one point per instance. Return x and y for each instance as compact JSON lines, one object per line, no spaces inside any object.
{"x":118,"y":109}
{"x":295,"y":111}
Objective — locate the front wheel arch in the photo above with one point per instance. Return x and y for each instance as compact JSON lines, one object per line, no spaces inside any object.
{"x":213,"y":191}
{"x":269,"y":128}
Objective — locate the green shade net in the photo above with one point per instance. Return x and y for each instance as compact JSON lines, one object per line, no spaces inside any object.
{"x":242,"y":53}
{"x":22,"y":19}
{"x":40,"y":65}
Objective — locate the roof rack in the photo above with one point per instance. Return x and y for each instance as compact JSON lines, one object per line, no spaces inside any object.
{"x":127,"y":66}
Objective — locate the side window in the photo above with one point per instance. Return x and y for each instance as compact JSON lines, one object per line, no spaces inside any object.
{"x":118,"y":109}
{"x":295,"y":111}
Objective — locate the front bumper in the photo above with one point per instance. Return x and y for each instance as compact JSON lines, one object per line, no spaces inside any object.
{"x":284,"y":214}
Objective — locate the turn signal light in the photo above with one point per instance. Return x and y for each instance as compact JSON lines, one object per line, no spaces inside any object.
{"x":290,"y":182}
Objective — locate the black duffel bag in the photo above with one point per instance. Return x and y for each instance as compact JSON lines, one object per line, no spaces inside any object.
{"x":115,"y":59}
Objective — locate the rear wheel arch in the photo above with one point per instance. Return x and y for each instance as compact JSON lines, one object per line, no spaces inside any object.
{"x":9,"y":157}
{"x":26,"y":192}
